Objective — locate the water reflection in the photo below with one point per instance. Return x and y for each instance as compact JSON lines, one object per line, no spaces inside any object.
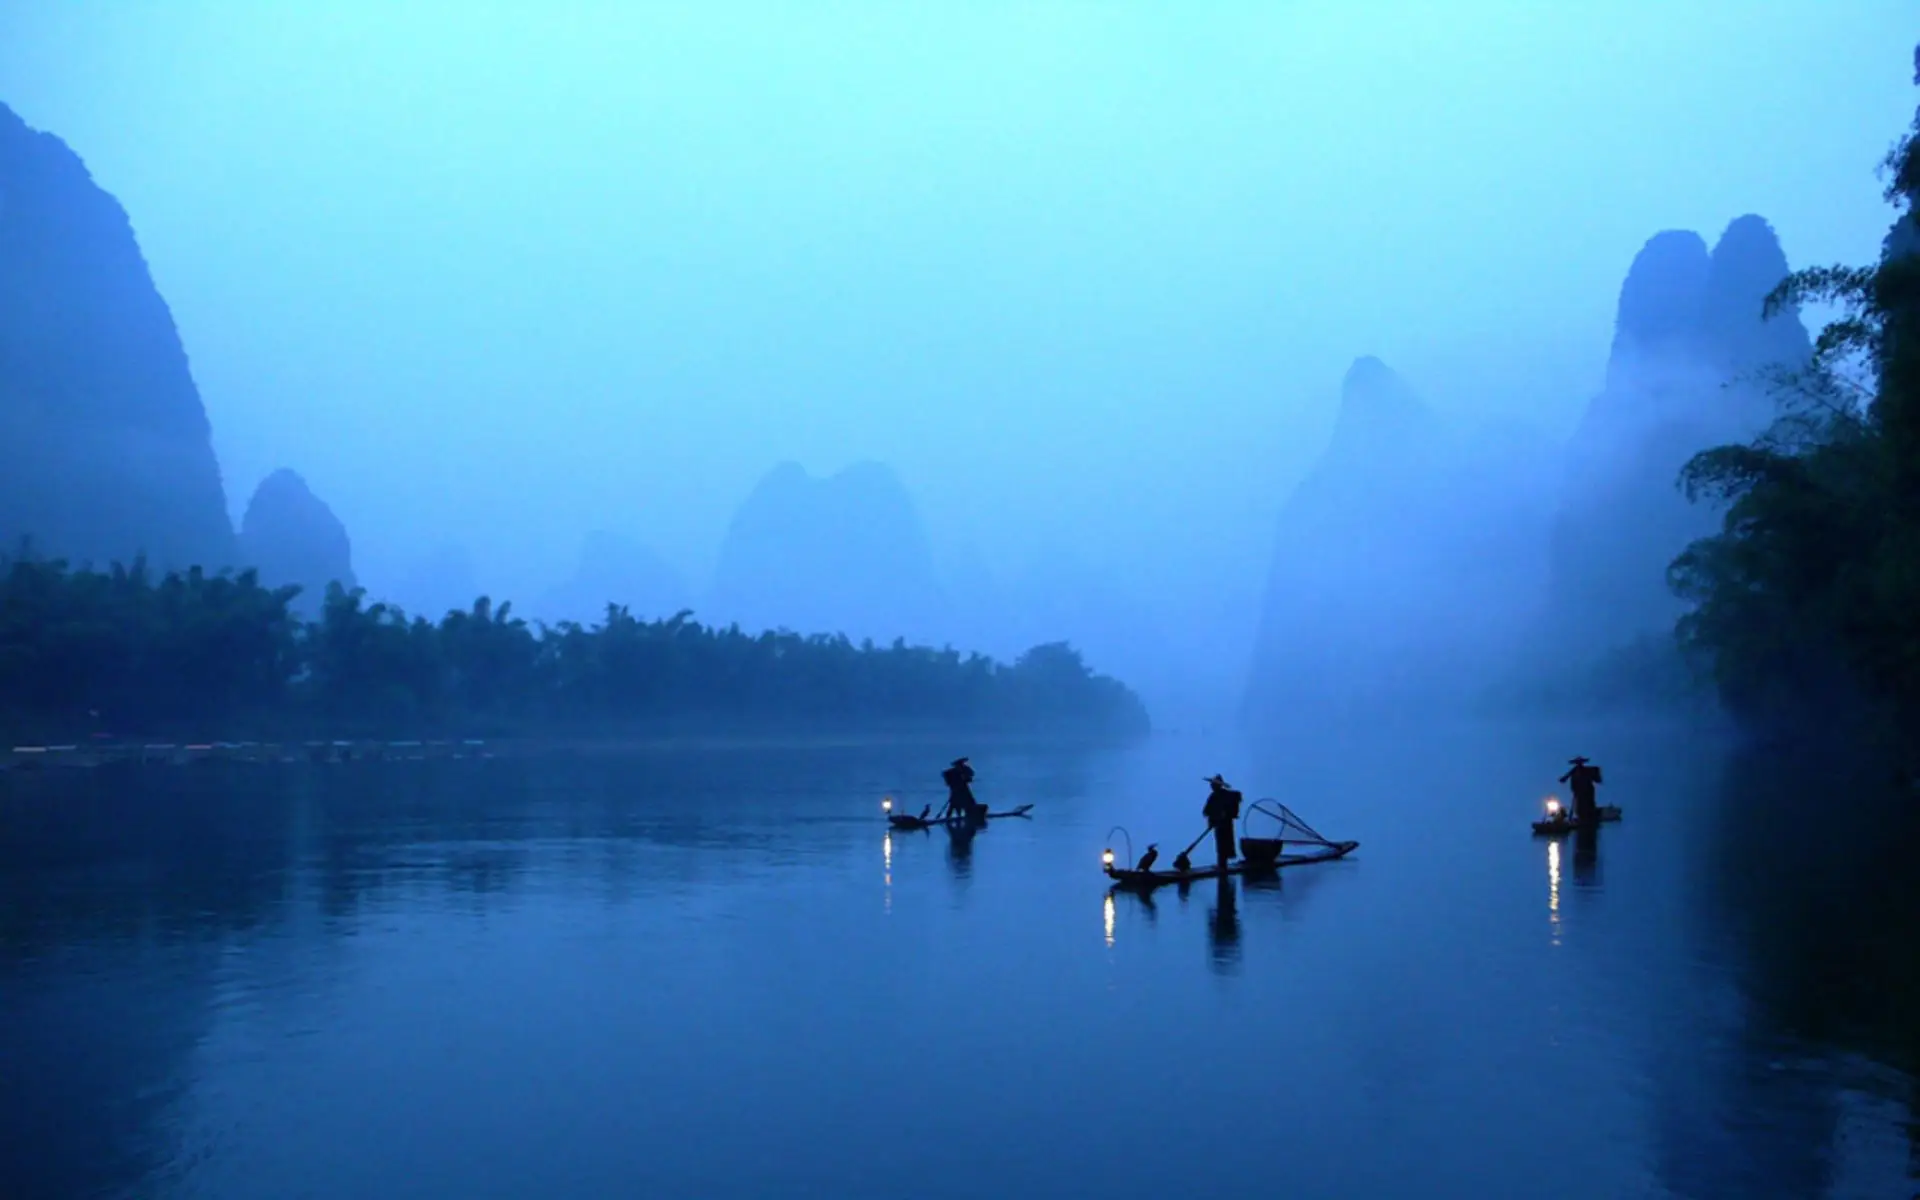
{"x":1553,"y":888}
{"x":886,"y":855}
{"x":960,"y":851}
{"x":1223,"y":927}
{"x":167,"y":964}
{"x":1270,"y":884}
{"x":113,"y":908}
{"x":1807,"y":869}
{"x":1586,"y":857}
{"x":1141,"y":898}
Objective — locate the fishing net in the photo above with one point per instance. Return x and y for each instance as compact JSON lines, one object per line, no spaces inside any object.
{"x":1270,"y":820}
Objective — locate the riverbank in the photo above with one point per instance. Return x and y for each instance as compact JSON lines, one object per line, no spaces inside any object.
{"x":31,"y":756}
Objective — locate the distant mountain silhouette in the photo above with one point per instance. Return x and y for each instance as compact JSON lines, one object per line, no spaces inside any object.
{"x":438,"y":582}
{"x":843,"y":554}
{"x":291,"y":536}
{"x":1406,"y":561}
{"x":1690,"y":368}
{"x":616,"y":570}
{"x":1056,"y":594}
{"x":105,"y":450}
{"x":1061,"y":596}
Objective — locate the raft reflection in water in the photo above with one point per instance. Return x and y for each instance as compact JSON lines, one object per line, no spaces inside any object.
{"x":1223,"y":927}
{"x":1586,"y":871}
{"x":1553,"y":890}
{"x":1223,"y":918}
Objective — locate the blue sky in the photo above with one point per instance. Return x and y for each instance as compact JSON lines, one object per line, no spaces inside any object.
{"x":1083,"y":273}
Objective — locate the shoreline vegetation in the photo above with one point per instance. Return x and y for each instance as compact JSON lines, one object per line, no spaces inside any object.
{"x":1805,"y":607}
{"x":125,"y":656}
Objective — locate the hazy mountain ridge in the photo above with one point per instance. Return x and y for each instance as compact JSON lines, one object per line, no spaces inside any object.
{"x":615,"y":569}
{"x":291,"y":536}
{"x":105,"y":448}
{"x":1398,"y":559}
{"x":1692,"y":366}
{"x":1422,"y":561}
{"x":1418,"y":556}
{"x":845,"y":553}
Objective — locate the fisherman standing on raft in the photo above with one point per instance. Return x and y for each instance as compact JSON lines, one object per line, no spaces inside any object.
{"x":959,"y":781}
{"x":1221,"y":810}
{"x":1581,"y":778}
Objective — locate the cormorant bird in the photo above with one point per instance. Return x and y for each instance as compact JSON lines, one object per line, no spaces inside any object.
{"x":1147,"y":860}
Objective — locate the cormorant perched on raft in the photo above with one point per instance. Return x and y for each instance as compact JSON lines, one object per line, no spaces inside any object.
{"x":1149,"y":858}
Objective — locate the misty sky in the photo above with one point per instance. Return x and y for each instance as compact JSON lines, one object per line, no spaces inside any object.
{"x":1088,"y":273}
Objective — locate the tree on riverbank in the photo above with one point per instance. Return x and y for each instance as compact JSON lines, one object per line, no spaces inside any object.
{"x":1809,"y":596}
{"x":126,"y":651}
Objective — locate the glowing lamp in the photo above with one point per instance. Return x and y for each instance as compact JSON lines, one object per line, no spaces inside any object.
{"x":886,"y":804}
{"x":1553,"y":807}
{"x":1106,"y":858}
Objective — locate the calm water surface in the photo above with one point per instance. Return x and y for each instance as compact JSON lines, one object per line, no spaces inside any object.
{"x":710,"y":972}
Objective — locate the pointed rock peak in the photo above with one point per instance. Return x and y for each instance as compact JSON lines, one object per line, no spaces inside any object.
{"x":1750,"y":239}
{"x":871,"y":482}
{"x":1660,"y":300}
{"x":614,"y":568}
{"x":789,"y":484}
{"x":283,"y":503}
{"x":788,"y":474}
{"x":1748,"y":264}
{"x":1376,"y":406}
{"x":786,"y":484}
{"x":1372,"y":387}
{"x":1369,"y":374}
{"x":291,"y":536}
{"x":109,"y":453}
{"x":281,"y":486}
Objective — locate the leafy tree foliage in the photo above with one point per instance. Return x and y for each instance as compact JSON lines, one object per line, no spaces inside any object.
{"x":1811,"y":590}
{"x":125,"y":651}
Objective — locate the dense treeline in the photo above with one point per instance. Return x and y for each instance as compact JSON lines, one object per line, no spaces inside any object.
{"x":1807,"y":603}
{"x":125,"y":652}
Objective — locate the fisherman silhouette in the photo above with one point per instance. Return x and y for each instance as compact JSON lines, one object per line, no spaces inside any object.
{"x":959,"y":781}
{"x":1221,"y":810}
{"x":1581,"y":778}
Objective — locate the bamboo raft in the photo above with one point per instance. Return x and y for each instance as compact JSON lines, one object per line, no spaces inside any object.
{"x":1258,"y":855}
{"x":1564,"y":821}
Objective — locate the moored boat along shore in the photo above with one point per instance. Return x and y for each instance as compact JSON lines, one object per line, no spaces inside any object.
{"x":99,"y":753}
{"x":81,"y":754}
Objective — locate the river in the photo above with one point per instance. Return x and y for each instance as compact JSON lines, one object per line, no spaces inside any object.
{"x":708,"y":971}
